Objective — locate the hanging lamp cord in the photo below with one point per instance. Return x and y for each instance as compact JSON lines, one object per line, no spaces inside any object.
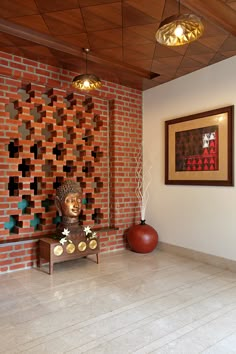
{"x":86,"y":62}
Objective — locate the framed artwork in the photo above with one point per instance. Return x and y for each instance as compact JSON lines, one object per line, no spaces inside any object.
{"x":199,"y":148}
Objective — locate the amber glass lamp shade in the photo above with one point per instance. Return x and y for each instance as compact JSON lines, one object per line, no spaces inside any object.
{"x":179,"y":30}
{"x":86,"y":82}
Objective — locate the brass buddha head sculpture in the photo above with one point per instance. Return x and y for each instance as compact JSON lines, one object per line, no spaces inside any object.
{"x":68,"y":200}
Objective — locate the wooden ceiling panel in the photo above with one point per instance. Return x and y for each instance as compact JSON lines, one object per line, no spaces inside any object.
{"x":180,"y":50}
{"x":79,"y":40}
{"x":165,"y":52}
{"x":105,"y":39}
{"x":213,"y":42}
{"x":196,"y":48}
{"x":62,"y":55}
{"x":17,"y":8}
{"x":217,"y":58}
{"x":230,"y":53}
{"x":17,"y":41}
{"x":187,"y":70}
{"x":133,"y":17}
{"x":145,"y":31}
{"x":145,"y":64}
{"x":171,"y":62}
{"x":228,"y":45}
{"x":162,"y":79}
{"x":216,"y":11}
{"x":171,"y":8}
{"x":86,"y":3}
{"x":64,"y":22}
{"x":145,"y":50}
{"x":203,"y":58}
{"x":112,"y":53}
{"x":163,"y":66}
{"x":188,"y":64}
{"x":138,"y":53}
{"x":232,"y":4}
{"x":102,"y":17}
{"x":132,"y":38}
{"x":6,"y":40}
{"x":38,"y":51}
{"x":34,"y":22}
{"x":56,"y":5}
{"x":212,"y":30}
{"x":153,"y":10}
{"x":120,"y":34}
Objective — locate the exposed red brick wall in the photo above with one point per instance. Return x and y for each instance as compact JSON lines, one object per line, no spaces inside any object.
{"x":120,"y":109}
{"x":18,"y":255}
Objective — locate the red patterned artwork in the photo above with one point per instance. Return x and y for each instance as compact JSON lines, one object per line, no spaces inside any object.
{"x":197,"y":149}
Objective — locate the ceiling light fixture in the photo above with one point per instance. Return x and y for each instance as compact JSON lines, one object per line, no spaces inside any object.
{"x":179,"y":29}
{"x":86,"y":81}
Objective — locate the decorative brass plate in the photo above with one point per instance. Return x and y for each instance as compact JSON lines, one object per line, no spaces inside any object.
{"x":58,"y":250}
{"x":93,"y":244}
{"x":70,"y":248}
{"x":82,"y":246}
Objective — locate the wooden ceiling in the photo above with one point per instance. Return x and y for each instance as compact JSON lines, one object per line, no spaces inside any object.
{"x":120,"y":35}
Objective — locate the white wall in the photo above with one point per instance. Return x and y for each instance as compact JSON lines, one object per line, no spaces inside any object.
{"x":201,"y":218}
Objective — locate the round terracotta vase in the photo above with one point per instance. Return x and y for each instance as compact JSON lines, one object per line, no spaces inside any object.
{"x":142,"y":238}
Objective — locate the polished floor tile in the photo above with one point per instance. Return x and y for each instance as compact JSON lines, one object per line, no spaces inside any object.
{"x":129,"y":303}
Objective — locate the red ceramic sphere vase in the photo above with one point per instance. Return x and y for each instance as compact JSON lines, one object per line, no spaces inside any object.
{"x":142,"y":238}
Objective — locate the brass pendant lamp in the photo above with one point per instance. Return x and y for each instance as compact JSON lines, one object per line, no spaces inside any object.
{"x":179,"y":29}
{"x":86,"y":82}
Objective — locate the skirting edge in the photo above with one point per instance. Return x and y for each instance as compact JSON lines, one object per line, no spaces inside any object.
{"x":216,"y":261}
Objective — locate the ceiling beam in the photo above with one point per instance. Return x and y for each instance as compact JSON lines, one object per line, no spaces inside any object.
{"x":216,"y":11}
{"x":50,"y":42}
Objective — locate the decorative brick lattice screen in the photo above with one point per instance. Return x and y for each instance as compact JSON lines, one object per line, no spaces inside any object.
{"x":40,"y":146}
{"x":52,"y":136}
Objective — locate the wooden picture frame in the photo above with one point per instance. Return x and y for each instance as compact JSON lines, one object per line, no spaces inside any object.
{"x":199,"y":148}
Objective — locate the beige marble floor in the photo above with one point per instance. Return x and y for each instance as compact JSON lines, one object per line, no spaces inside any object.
{"x":129,"y":303}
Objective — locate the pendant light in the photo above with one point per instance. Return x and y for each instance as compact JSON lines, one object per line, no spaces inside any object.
{"x":179,"y":29}
{"x":86,"y":82}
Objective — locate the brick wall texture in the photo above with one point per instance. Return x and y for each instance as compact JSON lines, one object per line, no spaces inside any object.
{"x":49,"y":133}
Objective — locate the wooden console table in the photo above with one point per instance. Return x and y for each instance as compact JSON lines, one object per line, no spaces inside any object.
{"x":50,"y":250}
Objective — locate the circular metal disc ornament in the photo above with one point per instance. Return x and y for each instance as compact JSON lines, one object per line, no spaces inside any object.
{"x":70,"y":248}
{"x":58,"y":250}
{"x":82,"y":246}
{"x":93,"y":244}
